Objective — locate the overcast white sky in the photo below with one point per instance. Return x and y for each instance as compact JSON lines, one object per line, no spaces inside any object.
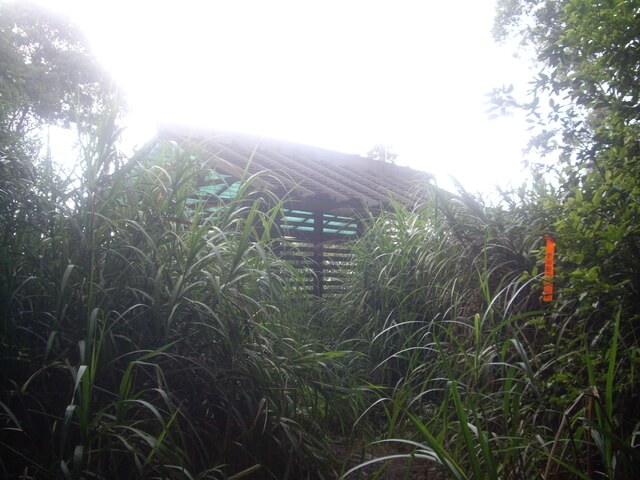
{"x":344,"y":75}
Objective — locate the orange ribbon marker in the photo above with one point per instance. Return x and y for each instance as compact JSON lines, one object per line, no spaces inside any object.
{"x":547,"y":289}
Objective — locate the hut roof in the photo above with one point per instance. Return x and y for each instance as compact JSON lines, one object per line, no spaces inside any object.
{"x":308,"y":177}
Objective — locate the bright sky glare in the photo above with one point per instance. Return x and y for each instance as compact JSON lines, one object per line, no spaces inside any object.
{"x":344,"y":75}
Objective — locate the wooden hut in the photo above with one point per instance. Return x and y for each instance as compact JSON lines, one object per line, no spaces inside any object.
{"x":325,"y":192}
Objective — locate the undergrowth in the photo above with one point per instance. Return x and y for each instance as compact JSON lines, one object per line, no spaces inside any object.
{"x":149,"y":332}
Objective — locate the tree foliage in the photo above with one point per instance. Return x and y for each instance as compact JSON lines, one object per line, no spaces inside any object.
{"x":382,"y":153}
{"x":585,"y":103}
{"x":585,"y":100}
{"x":47,"y":74}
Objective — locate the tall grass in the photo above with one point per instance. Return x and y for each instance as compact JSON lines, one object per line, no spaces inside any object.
{"x":150,"y":332}
{"x":471,"y":368}
{"x":148,"y":335}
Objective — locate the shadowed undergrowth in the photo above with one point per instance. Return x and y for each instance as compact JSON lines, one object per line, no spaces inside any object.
{"x":149,"y":333}
{"x":146,"y":334}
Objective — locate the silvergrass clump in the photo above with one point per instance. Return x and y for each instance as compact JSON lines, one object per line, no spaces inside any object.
{"x":467,"y":364}
{"x":148,"y":333}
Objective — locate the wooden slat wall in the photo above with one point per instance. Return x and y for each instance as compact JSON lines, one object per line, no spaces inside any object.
{"x":321,"y":279}
{"x":316,"y":243}
{"x":337,"y":260}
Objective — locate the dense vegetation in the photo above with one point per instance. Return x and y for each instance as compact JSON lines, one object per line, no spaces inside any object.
{"x":142,"y":335}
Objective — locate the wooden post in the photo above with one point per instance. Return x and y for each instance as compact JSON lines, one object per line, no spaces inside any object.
{"x":318,"y":254}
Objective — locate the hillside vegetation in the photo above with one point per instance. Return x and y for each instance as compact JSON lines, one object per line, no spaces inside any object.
{"x":143,"y":335}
